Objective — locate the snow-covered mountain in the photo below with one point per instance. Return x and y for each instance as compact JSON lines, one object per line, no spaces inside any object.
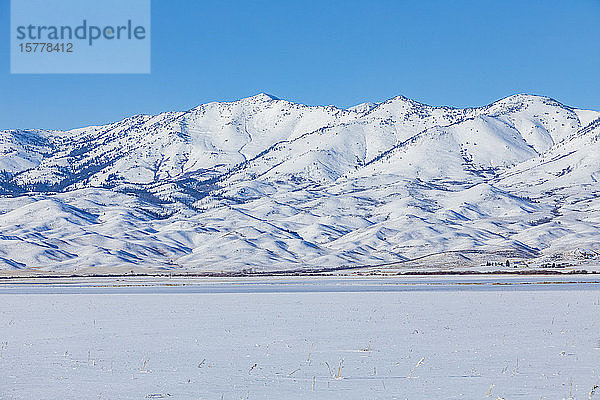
{"x":264,"y":184}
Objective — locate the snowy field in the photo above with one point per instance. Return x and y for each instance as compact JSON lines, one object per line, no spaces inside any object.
{"x":305,"y":338}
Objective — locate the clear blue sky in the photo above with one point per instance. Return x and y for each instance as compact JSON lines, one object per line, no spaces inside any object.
{"x":458,"y":53}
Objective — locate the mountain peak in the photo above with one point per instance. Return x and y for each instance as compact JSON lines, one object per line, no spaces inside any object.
{"x":527,"y":98}
{"x":400,"y":99}
{"x":261,"y":97}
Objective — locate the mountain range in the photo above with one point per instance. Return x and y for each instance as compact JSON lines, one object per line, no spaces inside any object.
{"x":263,"y":184}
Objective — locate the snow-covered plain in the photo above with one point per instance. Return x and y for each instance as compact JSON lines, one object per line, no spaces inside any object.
{"x":415,"y":338}
{"x":264,"y":184}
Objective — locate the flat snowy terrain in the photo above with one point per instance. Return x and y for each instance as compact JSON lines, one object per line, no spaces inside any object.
{"x":416,"y":338}
{"x":263,"y":184}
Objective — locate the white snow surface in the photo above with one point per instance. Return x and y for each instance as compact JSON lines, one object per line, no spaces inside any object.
{"x":386,"y":338}
{"x":263,"y":184}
